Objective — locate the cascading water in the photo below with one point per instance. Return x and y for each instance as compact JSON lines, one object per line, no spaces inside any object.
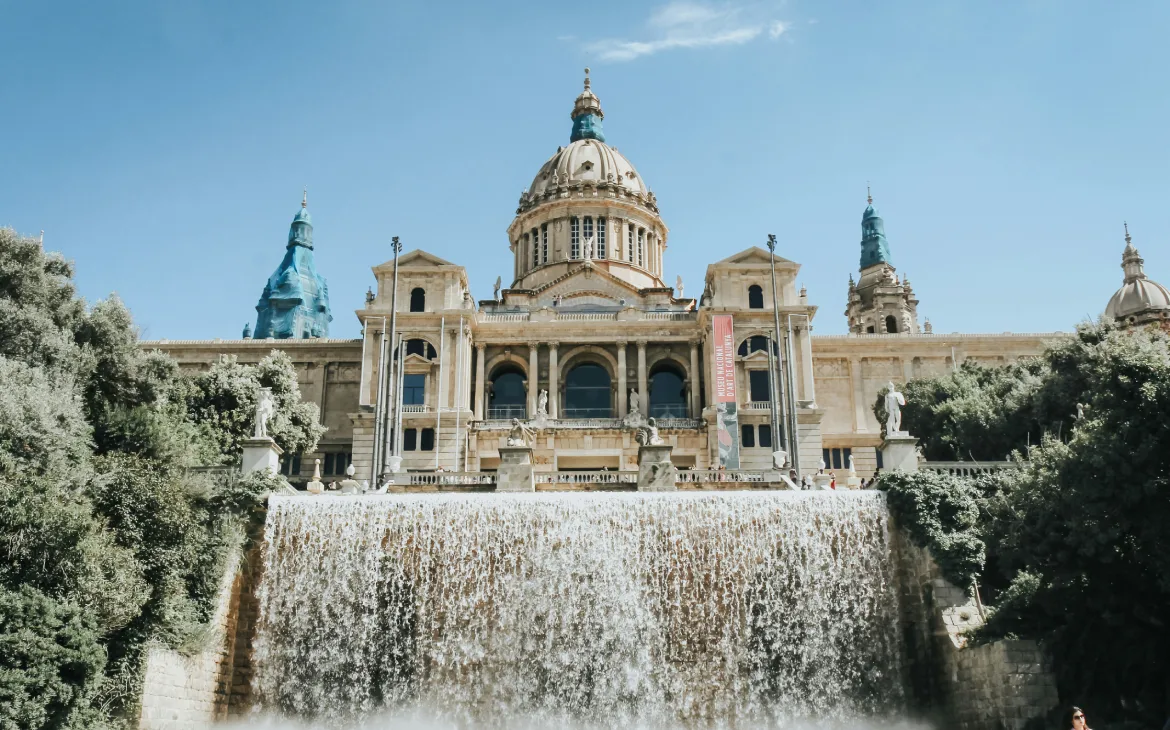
{"x":698,"y":609}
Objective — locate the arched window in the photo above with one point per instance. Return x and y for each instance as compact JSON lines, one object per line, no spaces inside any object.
{"x":600,"y":251}
{"x":668,"y":394}
{"x":508,"y":394}
{"x":891,"y":323}
{"x":755,"y":297}
{"x":418,"y":299}
{"x":422,"y":348}
{"x":587,"y":392}
{"x":574,"y":238}
{"x":756,"y":343}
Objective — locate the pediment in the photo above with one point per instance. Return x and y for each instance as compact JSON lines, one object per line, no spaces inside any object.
{"x":590,"y":281}
{"x":416,"y":259}
{"x":753,"y":255}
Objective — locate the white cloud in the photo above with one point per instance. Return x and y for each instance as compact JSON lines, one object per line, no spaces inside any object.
{"x":687,"y":24}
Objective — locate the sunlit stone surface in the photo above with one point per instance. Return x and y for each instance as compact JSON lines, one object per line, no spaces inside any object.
{"x":607,"y":610}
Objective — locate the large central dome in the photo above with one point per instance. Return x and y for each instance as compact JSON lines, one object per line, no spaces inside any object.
{"x":587,"y":206}
{"x":587,"y":160}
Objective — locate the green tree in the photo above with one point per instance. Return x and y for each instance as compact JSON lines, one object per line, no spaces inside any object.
{"x":225,"y":397}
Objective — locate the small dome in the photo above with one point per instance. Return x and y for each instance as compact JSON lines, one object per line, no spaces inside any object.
{"x":1141,"y":295}
{"x":303,"y":216}
{"x":1138,"y":294}
{"x":587,"y":160}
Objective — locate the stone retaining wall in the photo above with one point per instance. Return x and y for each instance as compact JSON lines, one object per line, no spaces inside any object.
{"x":997,"y":686}
{"x":190,"y":692}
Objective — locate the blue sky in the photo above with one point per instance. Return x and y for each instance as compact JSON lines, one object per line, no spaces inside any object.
{"x":163,"y":146}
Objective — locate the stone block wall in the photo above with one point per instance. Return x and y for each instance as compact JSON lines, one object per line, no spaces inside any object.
{"x":997,"y":686}
{"x":190,"y":692}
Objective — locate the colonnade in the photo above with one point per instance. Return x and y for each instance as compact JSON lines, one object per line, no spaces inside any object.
{"x":622,"y":404}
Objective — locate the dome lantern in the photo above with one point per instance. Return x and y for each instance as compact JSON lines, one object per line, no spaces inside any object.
{"x":587,"y":115}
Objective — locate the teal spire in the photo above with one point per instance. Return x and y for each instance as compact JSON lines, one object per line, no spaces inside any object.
{"x":875,"y":249}
{"x":587,"y":115}
{"x":295,"y":301}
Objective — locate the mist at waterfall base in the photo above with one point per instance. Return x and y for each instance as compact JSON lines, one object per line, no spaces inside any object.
{"x":639,"y":610}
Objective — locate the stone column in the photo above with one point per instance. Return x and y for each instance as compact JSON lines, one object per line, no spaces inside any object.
{"x":479,"y":382}
{"x":643,"y":391}
{"x":533,"y":377}
{"x":860,"y":423}
{"x":806,"y":364}
{"x":907,"y":369}
{"x":554,"y":381}
{"x":622,"y":388}
{"x":693,"y":377}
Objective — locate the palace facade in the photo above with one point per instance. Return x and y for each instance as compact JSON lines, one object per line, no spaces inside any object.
{"x":589,"y":340}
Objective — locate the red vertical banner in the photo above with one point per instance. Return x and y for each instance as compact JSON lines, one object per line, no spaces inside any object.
{"x":723,"y":350}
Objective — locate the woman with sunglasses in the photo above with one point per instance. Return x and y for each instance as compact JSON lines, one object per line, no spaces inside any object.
{"x":1076,"y":719}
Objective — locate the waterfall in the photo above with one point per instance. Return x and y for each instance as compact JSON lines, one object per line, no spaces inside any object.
{"x":700,"y":609}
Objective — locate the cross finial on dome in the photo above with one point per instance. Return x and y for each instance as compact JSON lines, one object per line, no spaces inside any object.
{"x":305,"y":198}
{"x":868,"y":196}
{"x":587,"y":78}
{"x":1127,"y":238}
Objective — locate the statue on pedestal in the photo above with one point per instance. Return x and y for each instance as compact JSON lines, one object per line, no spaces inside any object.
{"x":496,"y":289}
{"x":678,"y":284}
{"x":542,"y":404}
{"x":894,"y":403}
{"x":265,"y":408}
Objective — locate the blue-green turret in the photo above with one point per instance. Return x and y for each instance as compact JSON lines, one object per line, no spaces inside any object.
{"x":875,"y":249}
{"x":295,"y":302}
{"x":587,"y":115}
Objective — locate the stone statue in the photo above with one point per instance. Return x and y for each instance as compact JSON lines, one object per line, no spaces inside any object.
{"x":635,"y":408}
{"x":520,"y":434}
{"x":1080,"y":411}
{"x":779,"y":459}
{"x":496,"y":289}
{"x":542,"y":404}
{"x":679,"y":285}
{"x":852,"y":467}
{"x":588,"y":249}
{"x":648,"y":435}
{"x":894,"y":403}
{"x":265,"y":408}
{"x":821,"y":466}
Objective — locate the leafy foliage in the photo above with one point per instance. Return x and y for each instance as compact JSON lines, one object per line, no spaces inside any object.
{"x":51,"y":662}
{"x":1076,"y":539}
{"x":107,"y":539}
{"x":225,"y":399}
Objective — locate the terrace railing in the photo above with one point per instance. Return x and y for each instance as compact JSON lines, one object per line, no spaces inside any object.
{"x":587,"y":477}
{"x":966,"y":468}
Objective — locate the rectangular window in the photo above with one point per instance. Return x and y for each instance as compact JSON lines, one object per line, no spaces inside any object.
{"x":410,"y":439}
{"x":601,"y":238}
{"x":535,"y":247}
{"x":587,"y":233}
{"x":574,"y":238}
{"x":329,"y":467}
{"x":826,"y":457}
{"x":747,"y":436}
{"x":758,"y":385}
{"x":427,"y":440}
{"x":641,"y":247}
{"x":880,"y":464}
{"x":544,"y":243}
{"x":337,"y":463}
{"x":291,"y":466}
{"x":836,"y":458}
{"x":414,"y":387}
{"x":630,"y":245}
{"x":845,"y":454}
{"x":765,"y":435}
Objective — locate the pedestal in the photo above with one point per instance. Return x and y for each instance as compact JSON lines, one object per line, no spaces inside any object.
{"x":259,"y":455}
{"x":822,"y":481}
{"x":853,"y":482}
{"x":515,"y":471}
{"x":900,"y":452}
{"x":656,"y":472}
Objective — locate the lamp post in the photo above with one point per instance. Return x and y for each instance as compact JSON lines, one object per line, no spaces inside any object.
{"x":790,"y":439}
{"x":391,"y":390}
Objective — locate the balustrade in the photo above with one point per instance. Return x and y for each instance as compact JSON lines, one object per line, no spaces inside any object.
{"x":445,"y":478}
{"x":966,"y":468}
{"x":699,"y":476}
{"x":587,"y":477}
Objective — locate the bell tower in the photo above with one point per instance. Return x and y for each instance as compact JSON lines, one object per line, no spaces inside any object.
{"x":879,"y":303}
